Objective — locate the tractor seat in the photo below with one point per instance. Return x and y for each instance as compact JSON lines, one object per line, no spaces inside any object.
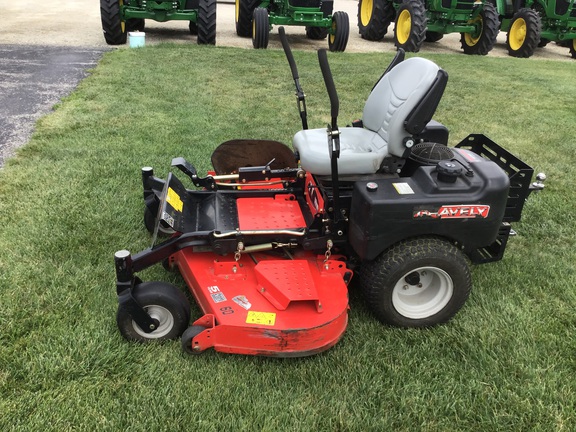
{"x":399,"y":107}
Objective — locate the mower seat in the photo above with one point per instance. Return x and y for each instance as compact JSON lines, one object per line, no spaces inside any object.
{"x":398,"y":108}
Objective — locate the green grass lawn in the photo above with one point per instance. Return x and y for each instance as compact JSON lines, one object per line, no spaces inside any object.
{"x":72,"y":197}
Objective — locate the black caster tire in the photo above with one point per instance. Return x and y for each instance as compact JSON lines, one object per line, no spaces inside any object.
{"x":186,"y":340}
{"x":163,"y":302}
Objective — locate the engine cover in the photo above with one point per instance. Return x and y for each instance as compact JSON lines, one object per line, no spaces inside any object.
{"x":466,"y":204}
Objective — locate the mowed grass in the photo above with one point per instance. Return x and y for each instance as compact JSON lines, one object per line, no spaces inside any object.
{"x":72,"y":197}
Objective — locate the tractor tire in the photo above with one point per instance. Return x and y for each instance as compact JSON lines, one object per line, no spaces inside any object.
{"x":340,"y":32}
{"x":192,"y":26}
{"x":244,"y":10}
{"x":135,"y":24}
{"x":186,"y":340}
{"x":573,"y":48}
{"x":433,"y":36}
{"x":374,"y":18}
{"x":260,"y":28}
{"x":410,"y":25}
{"x":206,"y":22}
{"x":524,"y":35}
{"x":112,"y":25}
{"x":420,"y":282}
{"x":316,"y":33}
{"x":163,"y":302}
{"x":483,"y":43}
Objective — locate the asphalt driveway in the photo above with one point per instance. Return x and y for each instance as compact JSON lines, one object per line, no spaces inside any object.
{"x":32,"y":79}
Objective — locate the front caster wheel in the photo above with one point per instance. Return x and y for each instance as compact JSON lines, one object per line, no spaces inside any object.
{"x":417,"y":283}
{"x":163,"y":302}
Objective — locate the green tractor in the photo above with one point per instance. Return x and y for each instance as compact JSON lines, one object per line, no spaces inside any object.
{"x":533,"y":23}
{"x":417,"y":21}
{"x":254,"y":18}
{"x":122,"y":16}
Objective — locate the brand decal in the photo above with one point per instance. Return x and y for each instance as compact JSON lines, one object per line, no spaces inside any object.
{"x":242,"y":301}
{"x":217,"y":295}
{"x":455,"y":212}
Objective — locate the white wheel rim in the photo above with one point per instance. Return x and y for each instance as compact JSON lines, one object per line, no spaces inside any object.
{"x":164,"y":318}
{"x":426,"y":298}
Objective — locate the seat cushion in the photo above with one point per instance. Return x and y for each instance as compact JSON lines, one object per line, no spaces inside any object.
{"x":361,"y":151}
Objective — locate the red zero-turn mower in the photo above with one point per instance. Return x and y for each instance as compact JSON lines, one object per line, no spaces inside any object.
{"x":267,"y":246}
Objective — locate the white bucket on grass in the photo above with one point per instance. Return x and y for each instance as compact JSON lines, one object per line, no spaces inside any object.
{"x":137,"y":39}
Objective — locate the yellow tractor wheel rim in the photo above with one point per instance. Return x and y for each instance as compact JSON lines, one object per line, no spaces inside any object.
{"x":237,"y":6}
{"x":333,"y":35}
{"x":366,"y":11}
{"x":517,"y":34}
{"x":469,"y":38}
{"x":404,"y":25}
{"x":122,"y":23}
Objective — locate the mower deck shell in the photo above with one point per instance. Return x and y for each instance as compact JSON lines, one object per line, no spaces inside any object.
{"x":266,"y":304}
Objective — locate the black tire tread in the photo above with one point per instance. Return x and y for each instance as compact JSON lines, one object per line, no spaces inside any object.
{"x":338,"y":41}
{"x":245,"y":14}
{"x":156,"y":293}
{"x":383,"y":14}
{"x":490,"y":29}
{"x":112,"y":22}
{"x":418,"y":25}
{"x":206,"y":23}
{"x":534,"y":29}
{"x":377,"y":286}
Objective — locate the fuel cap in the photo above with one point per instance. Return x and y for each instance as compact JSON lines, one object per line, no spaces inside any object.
{"x":448,"y":171}
{"x":372,"y":186}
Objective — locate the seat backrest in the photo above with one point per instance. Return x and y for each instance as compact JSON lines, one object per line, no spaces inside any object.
{"x":400,"y":92}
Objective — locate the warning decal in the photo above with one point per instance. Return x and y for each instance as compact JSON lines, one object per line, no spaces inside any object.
{"x":174,"y":200}
{"x":403,"y":188}
{"x":262,"y":318}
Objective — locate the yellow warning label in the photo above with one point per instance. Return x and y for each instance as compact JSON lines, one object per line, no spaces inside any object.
{"x":262,"y":318}
{"x":174,"y":200}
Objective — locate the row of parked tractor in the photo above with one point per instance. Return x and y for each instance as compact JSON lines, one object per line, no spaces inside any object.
{"x":528,"y":24}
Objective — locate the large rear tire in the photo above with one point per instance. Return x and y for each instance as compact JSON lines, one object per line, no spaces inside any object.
{"x":573,"y":49}
{"x":484,"y":40}
{"x":112,"y":25}
{"x":260,"y":28}
{"x":524,"y":34}
{"x":374,"y":18}
{"x":340,"y":32}
{"x":417,"y":283}
{"x":206,"y":22}
{"x":410,"y":25}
